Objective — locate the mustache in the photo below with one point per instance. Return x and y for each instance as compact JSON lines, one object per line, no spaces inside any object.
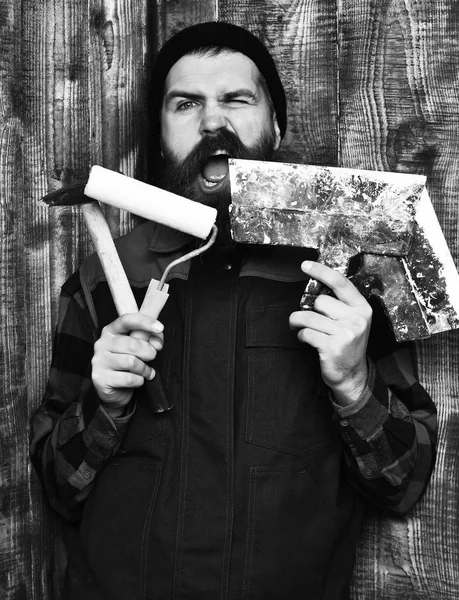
{"x":177,"y":176}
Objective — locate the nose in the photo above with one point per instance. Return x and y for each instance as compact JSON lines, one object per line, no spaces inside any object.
{"x":212,"y":120}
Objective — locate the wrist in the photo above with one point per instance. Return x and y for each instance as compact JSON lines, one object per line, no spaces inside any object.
{"x":112,"y":410}
{"x":350,"y":391}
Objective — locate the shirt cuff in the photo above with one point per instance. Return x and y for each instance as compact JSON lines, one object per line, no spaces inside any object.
{"x":102,"y":437}
{"x":119,"y":422}
{"x":355,"y":407}
{"x":368,"y":413}
{"x":352,"y":409}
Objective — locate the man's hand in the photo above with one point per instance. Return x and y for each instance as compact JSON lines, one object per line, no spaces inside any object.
{"x":120,"y":361}
{"x":338,"y":328}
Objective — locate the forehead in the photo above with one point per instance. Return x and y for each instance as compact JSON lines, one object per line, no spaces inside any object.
{"x":208,"y":74}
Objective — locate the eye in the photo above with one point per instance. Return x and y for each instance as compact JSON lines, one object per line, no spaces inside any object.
{"x":186,"y":105}
{"x":238,"y":101}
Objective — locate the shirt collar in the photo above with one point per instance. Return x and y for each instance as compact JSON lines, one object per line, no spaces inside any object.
{"x":165,"y":240}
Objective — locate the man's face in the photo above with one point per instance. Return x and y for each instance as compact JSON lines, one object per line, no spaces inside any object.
{"x":214,"y":107}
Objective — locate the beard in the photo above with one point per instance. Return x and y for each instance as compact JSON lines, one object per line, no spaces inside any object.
{"x":180,"y":176}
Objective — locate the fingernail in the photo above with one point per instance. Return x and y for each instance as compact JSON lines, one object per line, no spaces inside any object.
{"x":157,"y":327}
{"x":306,"y":265}
{"x":152,"y":374}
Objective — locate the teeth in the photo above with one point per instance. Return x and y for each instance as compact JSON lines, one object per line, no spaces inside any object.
{"x":210,"y":184}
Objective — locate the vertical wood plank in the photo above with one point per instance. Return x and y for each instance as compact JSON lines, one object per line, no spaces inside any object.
{"x":116,"y":78}
{"x":399,"y":110}
{"x":54,"y":92}
{"x":301,"y":35}
{"x":14,"y":563}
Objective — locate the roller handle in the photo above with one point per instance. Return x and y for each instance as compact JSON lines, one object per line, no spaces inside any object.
{"x":154,"y":390}
{"x":123,"y":297}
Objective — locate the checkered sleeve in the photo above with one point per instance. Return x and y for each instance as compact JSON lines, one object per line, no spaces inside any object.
{"x":72,"y":437}
{"x":390,"y":433}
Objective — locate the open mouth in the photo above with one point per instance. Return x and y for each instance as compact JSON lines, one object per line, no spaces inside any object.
{"x":214,"y":172}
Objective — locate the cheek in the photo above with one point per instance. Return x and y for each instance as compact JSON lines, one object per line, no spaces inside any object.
{"x":250,"y":128}
{"x":177,"y":140}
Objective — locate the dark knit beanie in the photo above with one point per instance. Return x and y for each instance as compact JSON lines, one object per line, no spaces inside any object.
{"x":223,"y":35}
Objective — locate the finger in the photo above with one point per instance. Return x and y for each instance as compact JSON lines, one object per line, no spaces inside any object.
{"x":157,"y":341}
{"x":112,"y":344}
{"x":357,"y":317}
{"x":332,"y":308}
{"x":343,"y":289}
{"x":135,"y":322}
{"x":314,"y":338}
{"x":123,"y":380}
{"x":312,"y":320}
{"x":110,"y":363}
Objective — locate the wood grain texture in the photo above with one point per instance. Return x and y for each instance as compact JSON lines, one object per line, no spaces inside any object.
{"x":301,"y":37}
{"x":172,"y":17}
{"x":14,"y":561}
{"x":55,"y":242}
{"x":398,"y":112}
{"x":49,"y":255}
{"x":116,"y":76}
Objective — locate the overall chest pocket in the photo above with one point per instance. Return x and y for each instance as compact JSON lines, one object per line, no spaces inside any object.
{"x":288,"y":409}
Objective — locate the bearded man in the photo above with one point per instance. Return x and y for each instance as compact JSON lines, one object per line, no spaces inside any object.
{"x":285,"y":423}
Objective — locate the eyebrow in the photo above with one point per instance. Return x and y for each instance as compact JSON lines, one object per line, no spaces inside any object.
{"x":241,"y":92}
{"x":195,"y":96}
{"x":181,"y":94}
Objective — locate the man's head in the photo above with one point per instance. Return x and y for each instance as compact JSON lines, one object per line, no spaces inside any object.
{"x":217,"y":94}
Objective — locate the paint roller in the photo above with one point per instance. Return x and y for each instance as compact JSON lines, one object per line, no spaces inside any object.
{"x":149,"y":202}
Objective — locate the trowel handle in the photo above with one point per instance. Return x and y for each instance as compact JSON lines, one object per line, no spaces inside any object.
{"x":337,"y":256}
{"x":316,"y":288}
{"x":313,"y":289}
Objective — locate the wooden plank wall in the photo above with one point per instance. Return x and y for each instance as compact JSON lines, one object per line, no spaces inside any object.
{"x":371,"y":84}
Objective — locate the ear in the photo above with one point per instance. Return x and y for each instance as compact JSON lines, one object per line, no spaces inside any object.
{"x":277,"y":132}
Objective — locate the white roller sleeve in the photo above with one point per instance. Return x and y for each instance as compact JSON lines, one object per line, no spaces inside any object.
{"x":150,"y":202}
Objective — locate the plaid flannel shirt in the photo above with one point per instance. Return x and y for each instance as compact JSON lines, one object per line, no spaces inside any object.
{"x":389,"y":434}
